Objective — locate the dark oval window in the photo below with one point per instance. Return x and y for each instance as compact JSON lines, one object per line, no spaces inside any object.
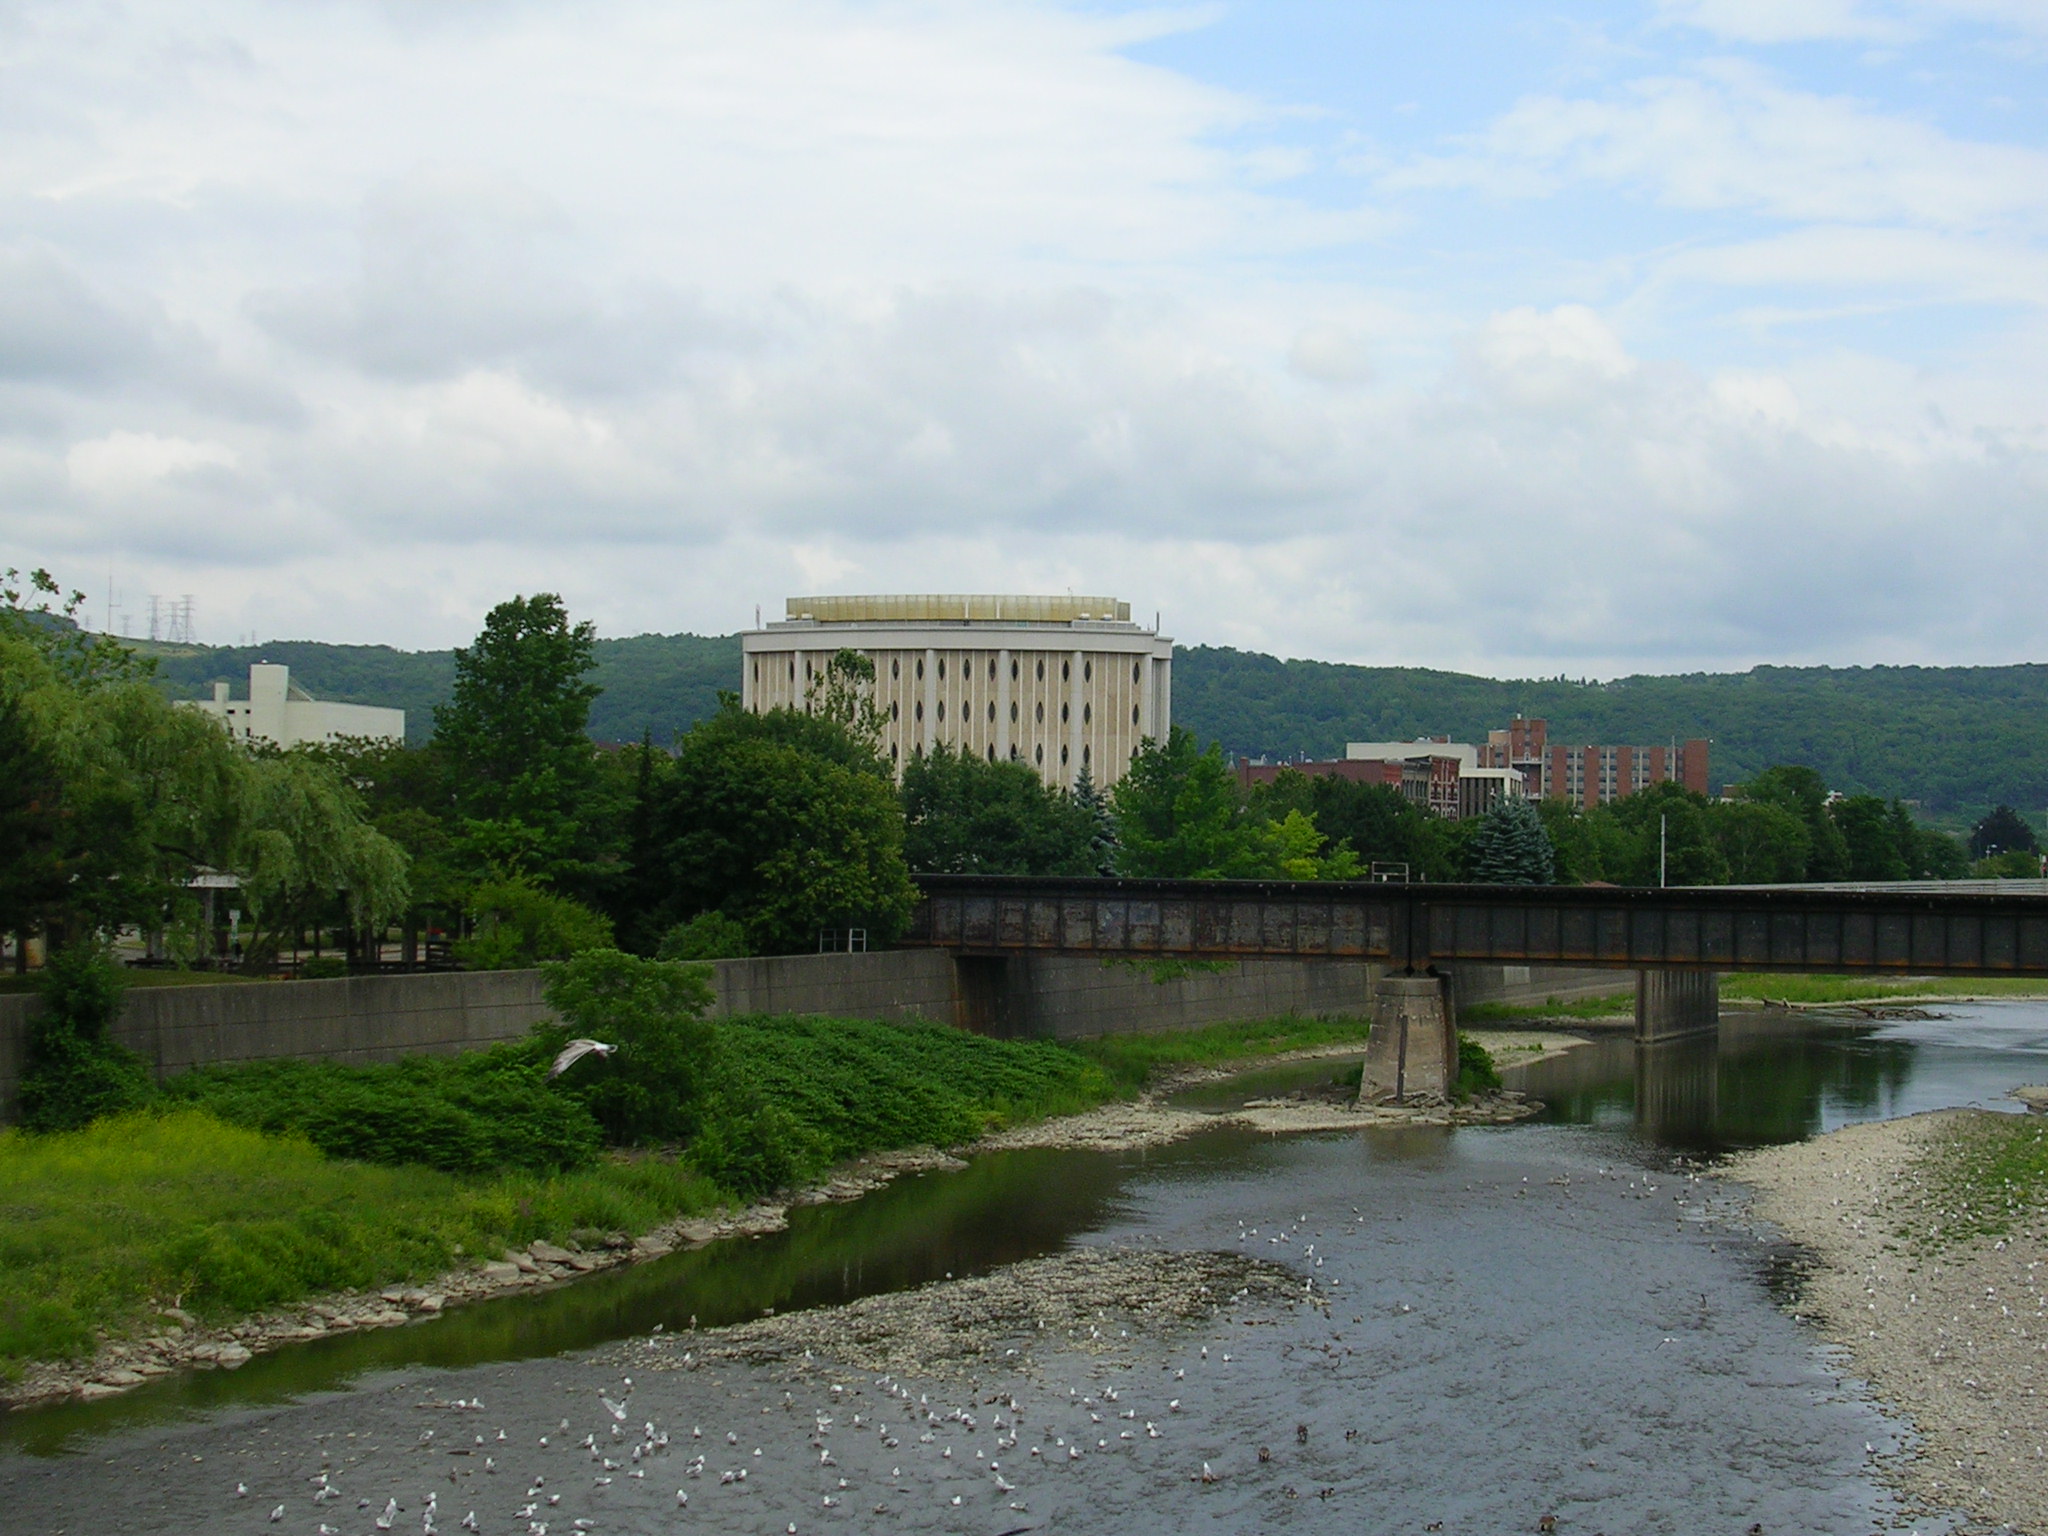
{"x":991,"y":715}
{"x":1134,"y":714}
{"x":1063,"y":757}
{"x":942,"y":669}
{"x":920,"y":669}
{"x":1066,"y":671}
{"x":1013,"y":669}
{"x":895,"y":710}
{"x":892,"y":751}
{"x":1013,"y":711}
{"x":991,"y":669}
{"x":1063,"y":714}
{"x":991,"y":751}
{"x":920,"y":709}
{"x":792,"y":669}
{"x":895,"y":666}
{"x":1086,"y":752}
{"x":1088,"y":672}
{"x":1041,"y":712}
{"x":1041,"y":671}
{"x":942,"y":706}
{"x":1087,"y":713}
{"x":1134,"y":671}
{"x":1038,"y":756}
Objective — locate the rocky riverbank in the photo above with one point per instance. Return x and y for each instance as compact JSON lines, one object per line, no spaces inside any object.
{"x":1952,"y":1337}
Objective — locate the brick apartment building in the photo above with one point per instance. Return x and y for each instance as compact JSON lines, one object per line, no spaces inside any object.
{"x":1591,"y":775}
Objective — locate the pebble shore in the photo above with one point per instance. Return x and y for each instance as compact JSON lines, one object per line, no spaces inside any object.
{"x":1953,"y":1339}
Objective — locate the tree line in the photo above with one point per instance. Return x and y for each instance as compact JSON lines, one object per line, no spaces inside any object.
{"x":517,"y":839}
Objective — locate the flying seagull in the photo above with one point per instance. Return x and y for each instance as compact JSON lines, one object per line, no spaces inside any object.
{"x":575,"y":1051}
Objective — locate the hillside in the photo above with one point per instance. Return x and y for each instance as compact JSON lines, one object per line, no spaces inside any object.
{"x":1956,"y":739}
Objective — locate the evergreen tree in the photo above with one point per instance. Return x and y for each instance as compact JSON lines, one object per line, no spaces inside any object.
{"x":1511,"y":847}
{"x":1094,"y":806}
{"x":2004,"y":830}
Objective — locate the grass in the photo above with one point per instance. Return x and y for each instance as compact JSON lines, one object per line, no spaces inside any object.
{"x":1741,"y":987}
{"x":100,"y":1226}
{"x":854,"y":1086}
{"x":1131,"y":1060}
{"x":172,"y":1205}
{"x":1550,"y":1008}
{"x":1984,"y":1181}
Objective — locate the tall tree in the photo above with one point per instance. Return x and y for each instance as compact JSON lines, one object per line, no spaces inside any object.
{"x":1804,"y":793}
{"x":1094,"y":805}
{"x":1511,"y":847}
{"x":514,"y":735}
{"x":963,"y":815}
{"x":1179,"y":816}
{"x":2003,"y":830}
{"x":786,"y":824}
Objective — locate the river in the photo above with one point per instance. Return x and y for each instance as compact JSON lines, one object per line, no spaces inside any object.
{"x":1555,"y":1318}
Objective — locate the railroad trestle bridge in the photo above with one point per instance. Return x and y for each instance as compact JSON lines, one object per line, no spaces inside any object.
{"x":1677,"y":941}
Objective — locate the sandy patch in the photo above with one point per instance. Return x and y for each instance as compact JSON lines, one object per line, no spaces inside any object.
{"x":1955,"y":1341}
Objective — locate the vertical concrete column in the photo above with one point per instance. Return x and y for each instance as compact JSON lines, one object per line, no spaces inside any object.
{"x":1004,"y":694}
{"x":1076,"y":691}
{"x":1412,"y":1051}
{"x":1676,"y":1002}
{"x":928,"y":732}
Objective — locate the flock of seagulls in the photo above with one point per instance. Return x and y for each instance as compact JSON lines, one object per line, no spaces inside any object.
{"x":937,"y":1453}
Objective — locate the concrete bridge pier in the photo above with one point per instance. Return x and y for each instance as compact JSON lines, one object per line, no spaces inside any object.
{"x":1680,"y":1001}
{"x":1413,"y":1048}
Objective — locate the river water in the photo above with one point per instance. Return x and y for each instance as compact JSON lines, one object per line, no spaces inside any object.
{"x":1551,"y":1318}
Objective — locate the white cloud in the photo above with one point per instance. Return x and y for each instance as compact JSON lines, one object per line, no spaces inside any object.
{"x":1730,"y":137}
{"x":353,"y":319}
{"x":1887,"y":21}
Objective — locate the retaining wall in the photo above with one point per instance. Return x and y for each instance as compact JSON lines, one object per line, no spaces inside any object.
{"x":378,"y":1018}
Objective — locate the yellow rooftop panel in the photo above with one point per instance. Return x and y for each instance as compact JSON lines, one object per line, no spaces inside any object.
{"x":930,"y":606}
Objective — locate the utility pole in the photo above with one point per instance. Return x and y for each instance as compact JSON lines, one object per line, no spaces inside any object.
{"x":1663,"y":827}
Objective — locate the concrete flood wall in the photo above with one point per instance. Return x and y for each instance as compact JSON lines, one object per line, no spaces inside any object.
{"x":378,"y":1018}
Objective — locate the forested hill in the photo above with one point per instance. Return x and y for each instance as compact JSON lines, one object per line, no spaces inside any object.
{"x":1955,"y":739}
{"x":657,"y":683}
{"x":1952,"y":738}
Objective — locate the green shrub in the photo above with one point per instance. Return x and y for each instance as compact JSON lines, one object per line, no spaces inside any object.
{"x":707,"y":936}
{"x":75,"y":1073}
{"x":322,"y":968}
{"x":1476,"y":1071}
{"x":650,"y":1091}
{"x":518,"y":924}
{"x":476,"y":1113}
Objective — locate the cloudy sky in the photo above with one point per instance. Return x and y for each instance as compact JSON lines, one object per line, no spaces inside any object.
{"x":1524,"y":339}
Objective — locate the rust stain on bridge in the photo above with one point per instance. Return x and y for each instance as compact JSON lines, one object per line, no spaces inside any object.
{"x":1917,"y":933}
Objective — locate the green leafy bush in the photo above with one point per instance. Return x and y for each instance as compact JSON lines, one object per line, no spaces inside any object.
{"x":651,"y":1089}
{"x":518,"y":924}
{"x":323,"y":968}
{"x":1476,"y":1071}
{"x":75,"y":1073}
{"x":476,"y":1113}
{"x":707,"y":936}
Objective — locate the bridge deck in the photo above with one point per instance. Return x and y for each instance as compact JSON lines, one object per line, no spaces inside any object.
{"x":1917,"y":931}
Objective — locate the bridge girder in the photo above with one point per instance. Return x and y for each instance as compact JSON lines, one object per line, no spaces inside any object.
{"x":1415,"y":926}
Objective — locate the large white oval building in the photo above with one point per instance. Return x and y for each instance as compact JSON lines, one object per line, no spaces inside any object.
{"x":1056,"y":682}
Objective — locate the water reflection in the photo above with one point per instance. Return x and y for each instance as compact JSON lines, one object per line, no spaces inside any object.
{"x":1766,"y":1079}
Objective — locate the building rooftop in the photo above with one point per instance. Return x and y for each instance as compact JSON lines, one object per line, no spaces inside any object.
{"x":939,"y":607}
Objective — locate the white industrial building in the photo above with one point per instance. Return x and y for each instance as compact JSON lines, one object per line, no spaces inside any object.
{"x":1060,"y":683}
{"x":280,"y":712}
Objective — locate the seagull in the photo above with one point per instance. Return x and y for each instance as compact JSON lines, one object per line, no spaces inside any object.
{"x":390,"y":1514}
{"x":575,"y":1051}
{"x":277,"y":1514}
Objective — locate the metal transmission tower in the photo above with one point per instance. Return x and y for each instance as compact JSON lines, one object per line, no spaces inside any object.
{"x":170,"y":620}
